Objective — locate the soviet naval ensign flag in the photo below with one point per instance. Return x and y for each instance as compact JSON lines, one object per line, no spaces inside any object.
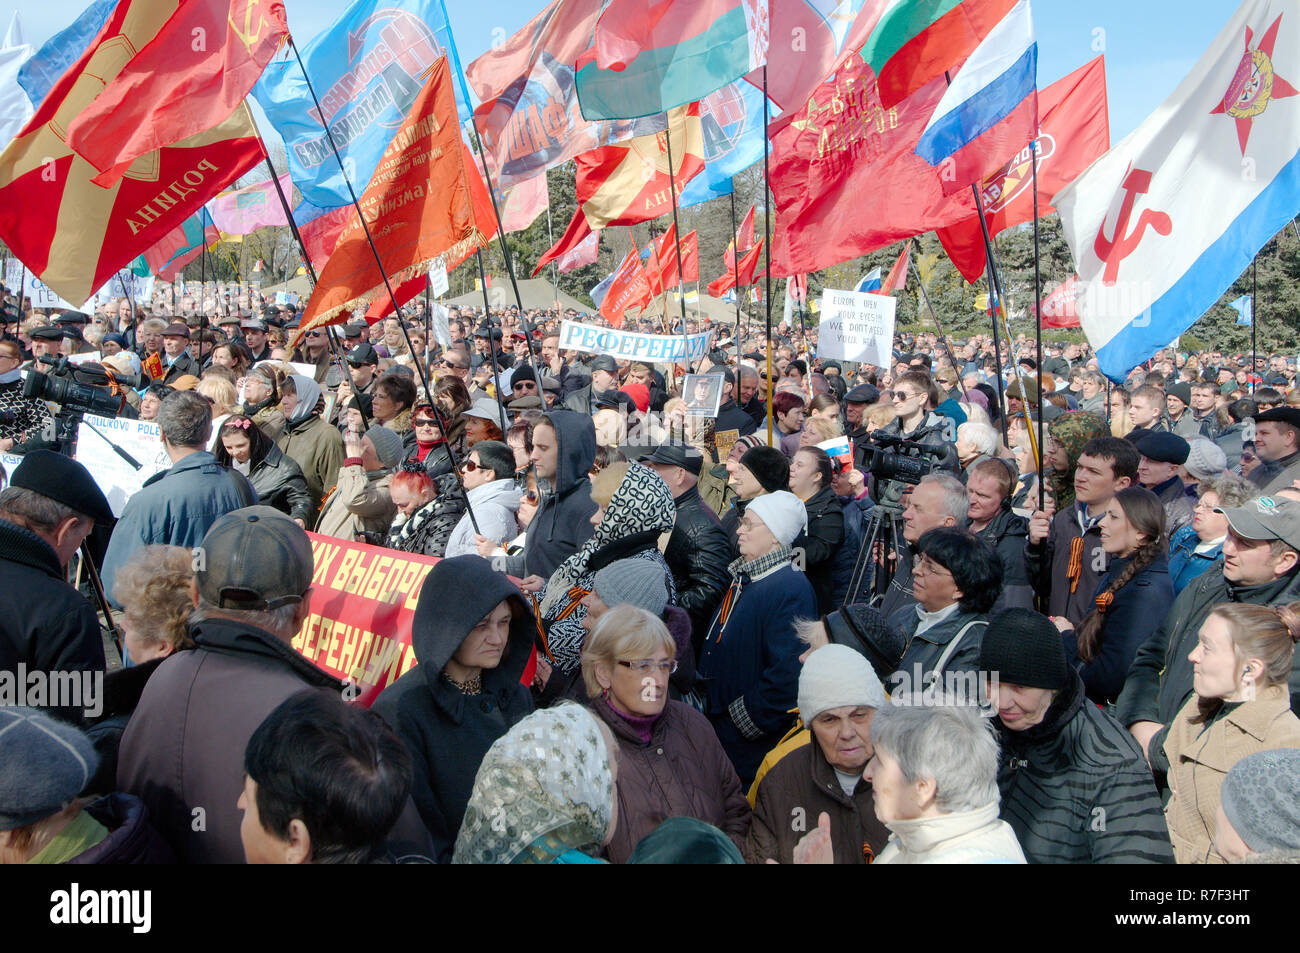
{"x":1163,"y":224}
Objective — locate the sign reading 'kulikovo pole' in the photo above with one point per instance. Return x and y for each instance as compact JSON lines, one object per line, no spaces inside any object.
{"x":628,"y":345}
{"x":856,"y":326}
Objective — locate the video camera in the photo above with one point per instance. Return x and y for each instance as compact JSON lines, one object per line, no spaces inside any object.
{"x":79,"y":388}
{"x":889,"y":457}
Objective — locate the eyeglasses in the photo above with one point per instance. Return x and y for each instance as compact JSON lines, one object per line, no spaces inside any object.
{"x":315,"y":334}
{"x":929,"y":567}
{"x":469,"y":466}
{"x":526,"y":385}
{"x":424,"y":422}
{"x":646,"y":666}
{"x":902,"y":395}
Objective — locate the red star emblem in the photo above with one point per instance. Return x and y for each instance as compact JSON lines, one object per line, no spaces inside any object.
{"x":1254,"y":85}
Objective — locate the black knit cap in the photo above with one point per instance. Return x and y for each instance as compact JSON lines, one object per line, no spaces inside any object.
{"x":866,"y":631}
{"x":1023,"y":647}
{"x":770,"y":467}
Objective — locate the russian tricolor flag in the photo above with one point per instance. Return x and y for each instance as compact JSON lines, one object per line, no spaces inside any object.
{"x":990,"y":110}
{"x":869,"y":282}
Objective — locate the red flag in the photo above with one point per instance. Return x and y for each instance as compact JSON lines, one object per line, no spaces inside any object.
{"x":745,"y":233}
{"x":1074,"y":131}
{"x":898,"y":274}
{"x":665,"y":252}
{"x":797,"y":288}
{"x":690,"y":245}
{"x":746,"y":268}
{"x":1059,"y":307}
{"x":845,"y":184}
{"x":629,"y":289}
{"x":75,"y":235}
{"x":321,"y":234}
{"x":175,"y":86}
{"x":629,"y":183}
{"x":180,"y":247}
{"x":422,"y":197}
{"x":585,"y":253}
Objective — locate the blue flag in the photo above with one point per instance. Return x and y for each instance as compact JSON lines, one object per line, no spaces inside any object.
{"x":366,"y":70}
{"x":732,"y":123}
{"x":598,"y":293}
{"x":39,"y":74}
{"x":870,"y":281}
{"x":1244,"y":309}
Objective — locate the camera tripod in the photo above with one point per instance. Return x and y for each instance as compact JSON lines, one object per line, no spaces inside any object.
{"x":882,"y":534}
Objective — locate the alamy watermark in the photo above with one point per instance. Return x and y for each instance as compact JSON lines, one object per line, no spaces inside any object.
{"x":38,"y":688}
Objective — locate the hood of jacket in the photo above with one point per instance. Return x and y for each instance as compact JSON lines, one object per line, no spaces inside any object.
{"x":501,"y":492}
{"x":575,"y":448}
{"x":308,"y":392}
{"x":457,"y":594}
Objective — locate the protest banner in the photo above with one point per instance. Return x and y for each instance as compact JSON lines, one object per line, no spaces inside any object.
{"x":438,"y":283}
{"x":116,"y":478}
{"x":40,"y":295}
{"x":856,"y":326}
{"x":126,"y":284}
{"x":648,"y":348}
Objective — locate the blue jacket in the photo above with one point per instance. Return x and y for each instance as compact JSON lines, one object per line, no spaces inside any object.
{"x":1185,"y":563}
{"x":1135,"y":614}
{"x":175,"y":508}
{"x":751,"y":673}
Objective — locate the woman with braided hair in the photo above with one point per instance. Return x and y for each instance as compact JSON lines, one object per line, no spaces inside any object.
{"x":1241,"y":664}
{"x":1132,"y":598}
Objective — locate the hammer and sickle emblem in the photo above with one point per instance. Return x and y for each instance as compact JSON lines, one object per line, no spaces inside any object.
{"x":1114,"y":251}
{"x":250,"y":34}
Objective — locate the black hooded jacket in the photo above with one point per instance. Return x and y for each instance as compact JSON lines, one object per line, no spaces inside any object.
{"x":563,"y":520}
{"x":446,"y":731}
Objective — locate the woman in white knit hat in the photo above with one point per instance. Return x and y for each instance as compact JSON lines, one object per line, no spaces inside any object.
{"x":750,"y":659}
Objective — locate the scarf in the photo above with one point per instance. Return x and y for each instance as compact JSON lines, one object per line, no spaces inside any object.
{"x":11,"y":376}
{"x":642,"y":503}
{"x":402,"y":530}
{"x":308,"y":392}
{"x":423,"y":449}
{"x":543,"y":789}
{"x":742,"y":573}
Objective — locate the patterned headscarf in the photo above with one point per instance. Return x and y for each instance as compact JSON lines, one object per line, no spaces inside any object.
{"x":642,"y":503}
{"x":1072,"y":431}
{"x":544,"y":788}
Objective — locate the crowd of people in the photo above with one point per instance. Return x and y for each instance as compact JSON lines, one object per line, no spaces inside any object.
{"x":960,"y":609}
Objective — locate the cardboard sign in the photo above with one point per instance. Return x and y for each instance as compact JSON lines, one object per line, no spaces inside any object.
{"x":723,"y":441}
{"x":438,"y":283}
{"x":40,"y":295}
{"x":856,"y":326}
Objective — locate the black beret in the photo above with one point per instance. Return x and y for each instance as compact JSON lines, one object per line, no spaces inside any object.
{"x":1281,"y":415}
{"x":1163,"y":447}
{"x":63,"y":480}
{"x":862,"y":394}
{"x":49,"y":332}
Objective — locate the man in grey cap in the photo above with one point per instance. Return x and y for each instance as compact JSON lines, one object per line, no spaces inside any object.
{"x":183,"y":749}
{"x":176,"y":357}
{"x":604,"y":378}
{"x":698,"y":550}
{"x":48,"y":509}
{"x":1261,"y":559}
{"x":255,"y":330}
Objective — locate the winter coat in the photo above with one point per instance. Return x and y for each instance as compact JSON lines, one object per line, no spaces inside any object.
{"x":1273,"y":475}
{"x":496,"y":507}
{"x":184,"y":364}
{"x":1076,"y":789}
{"x":1071,"y":599}
{"x":175,"y":508}
{"x":1159,"y":682}
{"x":318,"y":449}
{"x":268,"y":417}
{"x":1136,"y":612}
{"x":967,"y":837}
{"x":714,"y":490}
{"x":1186,"y":562}
{"x":131,"y":838}
{"x":446,"y":731}
{"x":361,"y":503}
{"x":1178,"y":505}
{"x":122,"y":691}
{"x":428,"y":530}
{"x":1009,"y":534}
{"x":1230,"y":440}
{"x":279,"y":482}
{"x":45,"y":624}
{"x":1200,"y":754}
{"x":821,"y":544}
{"x":750,"y":661}
{"x":184,"y":745}
{"x":681,"y":772}
{"x":846,"y":560}
{"x":698,"y":553}
{"x":803,"y":785}
{"x":32,"y":417}
{"x":731,"y":417}
{"x":924,"y":656}
{"x":562,"y":522}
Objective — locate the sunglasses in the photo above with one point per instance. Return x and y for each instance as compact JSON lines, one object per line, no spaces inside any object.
{"x":469,"y":466}
{"x":314,"y":334}
{"x":527,"y":385}
{"x":424,"y":422}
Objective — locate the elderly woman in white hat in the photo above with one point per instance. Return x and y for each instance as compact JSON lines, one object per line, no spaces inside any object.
{"x":839,"y":694}
{"x":750,"y":659}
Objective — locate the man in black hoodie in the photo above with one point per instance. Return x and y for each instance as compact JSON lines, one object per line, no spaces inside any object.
{"x":473,"y":636}
{"x":564,"y":446}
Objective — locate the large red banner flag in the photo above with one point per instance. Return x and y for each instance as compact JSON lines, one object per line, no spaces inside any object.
{"x":690,"y":245}
{"x":746,"y":267}
{"x":418,"y":205}
{"x":898,"y":274}
{"x":629,"y":289}
{"x":1060,"y":307}
{"x":192,"y":74}
{"x":847,"y":180}
{"x":1073,"y":132}
{"x":75,"y":235}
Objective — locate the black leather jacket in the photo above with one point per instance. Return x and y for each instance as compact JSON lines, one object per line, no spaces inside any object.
{"x":698,"y":553}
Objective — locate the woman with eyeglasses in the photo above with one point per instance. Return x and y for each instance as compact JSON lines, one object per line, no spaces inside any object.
{"x":1196,"y":548}
{"x":670,"y":761}
{"x":430,"y":448}
{"x":259,"y":398}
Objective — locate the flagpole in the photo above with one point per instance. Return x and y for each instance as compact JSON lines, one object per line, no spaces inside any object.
{"x":1038,"y":322}
{"x":392,"y":297}
{"x":555,"y":266}
{"x":767,"y":250}
{"x":492,"y":340}
{"x":672,"y":194}
{"x":203,"y":275}
{"x":428,"y":321}
{"x":943,"y":338}
{"x":1254,"y":322}
{"x":22,"y":284}
{"x":735,"y":267}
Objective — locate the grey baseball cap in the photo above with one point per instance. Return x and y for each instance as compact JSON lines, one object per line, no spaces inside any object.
{"x":1266,"y":518}
{"x":254,"y":559}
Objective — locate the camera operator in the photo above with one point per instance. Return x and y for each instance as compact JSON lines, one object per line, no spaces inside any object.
{"x":914,"y":398}
{"x":32,"y":423}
